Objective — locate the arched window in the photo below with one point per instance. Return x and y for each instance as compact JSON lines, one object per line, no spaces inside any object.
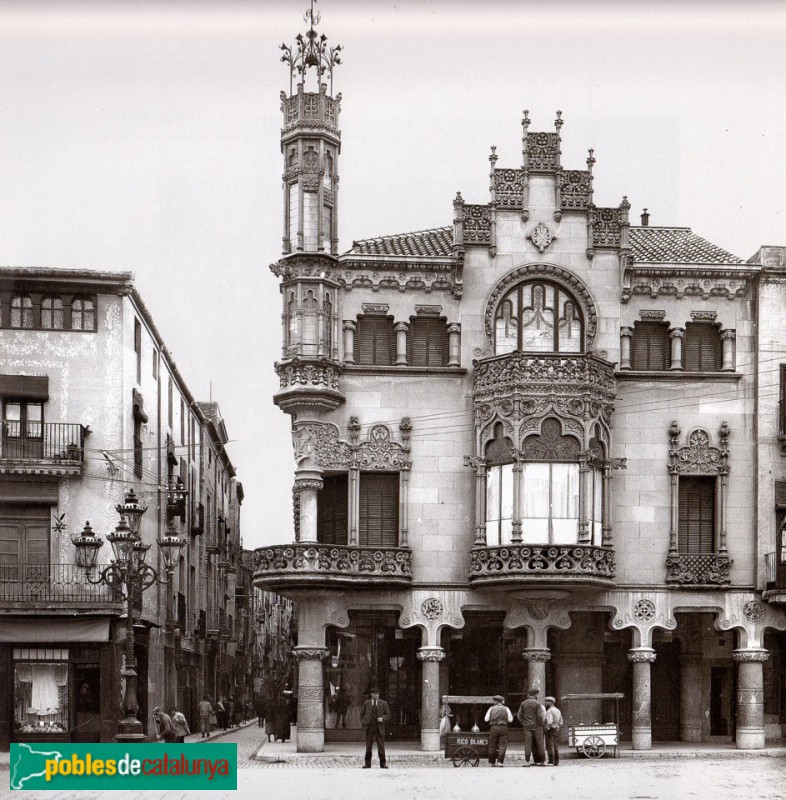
{"x":327,"y":324}
{"x":292,"y":321}
{"x":52,"y":313}
{"x":21,"y":311}
{"x":310,"y":324}
{"x":538,"y":316}
{"x":83,"y":315}
{"x":500,"y":487}
{"x":327,"y":178}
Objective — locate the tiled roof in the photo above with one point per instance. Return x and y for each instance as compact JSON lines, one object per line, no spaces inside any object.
{"x":437,"y":242}
{"x":675,"y":246}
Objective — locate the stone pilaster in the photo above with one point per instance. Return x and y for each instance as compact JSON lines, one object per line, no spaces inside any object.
{"x":310,"y":699}
{"x":349,"y":328}
{"x":536,"y":658}
{"x":454,"y":344}
{"x":307,"y":484}
{"x":429,"y":703}
{"x":750,"y":698}
{"x":626,"y":334}
{"x":690,"y":698}
{"x":641,"y":735}
{"x":728,"y":337}
{"x":401,"y":329}
{"x":676,"y":334}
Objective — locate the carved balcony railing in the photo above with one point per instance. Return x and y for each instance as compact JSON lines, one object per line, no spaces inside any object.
{"x":42,"y":448}
{"x":519,"y":564}
{"x":698,"y":569}
{"x":526,"y":376}
{"x":312,"y":564}
{"x":308,"y":382}
{"x":27,"y":587}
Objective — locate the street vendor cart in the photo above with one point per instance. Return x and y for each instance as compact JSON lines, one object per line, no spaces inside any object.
{"x":466,"y":748}
{"x":594,"y":739}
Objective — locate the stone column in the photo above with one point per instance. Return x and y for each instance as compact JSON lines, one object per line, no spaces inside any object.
{"x":727,"y":342}
{"x":641,"y":658}
{"x":516,"y":529}
{"x":310,"y":699}
{"x":403,"y":508}
{"x":536,"y":658}
{"x":349,"y":328}
{"x":676,"y":334}
{"x":429,"y":699}
{"x":353,"y":506}
{"x":690,"y":697}
{"x":479,"y":465}
{"x":750,"y":697}
{"x":584,"y":535}
{"x":454,"y":345}
{"x":401,"y":329}
{"x":626,"y":334}
{"x":307,"y":484}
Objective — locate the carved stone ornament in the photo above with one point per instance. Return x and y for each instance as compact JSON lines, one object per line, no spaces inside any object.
{"x":757,"y":655}
{"x":433,"y":654}
{"x":536,"y":654}
{"x":607,"y":226}
{"x":644,"y":610}
{"x":477,"y":224}
{"x":509,"y":188}
{"x":300,"y":372}
{"x":432,"y":608}
{"x":375,"y":308}
{"x":310,"y":653}
{"x":652,"y":314}
{"x":426,"y":310}
{"x":703,"y":316}
{"x":538,"y":609}
{"x":542,"y":152}
{"x":753,"y":611}
{"x":641,"y":655}
{"x":540,"y":561}
{"x":699,"y":457}
{"x":541,"y":236}
{"x":552,"y":273}
{"x":701,"y":282}
{"x":698,"y":569}
{"x":575,"y":189}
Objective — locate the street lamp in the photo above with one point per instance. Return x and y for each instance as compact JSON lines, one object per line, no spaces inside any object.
{"x":128,"y":575}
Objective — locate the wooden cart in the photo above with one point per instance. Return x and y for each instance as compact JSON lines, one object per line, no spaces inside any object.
{"x":466,"y":748}
{"x":595,"y":739}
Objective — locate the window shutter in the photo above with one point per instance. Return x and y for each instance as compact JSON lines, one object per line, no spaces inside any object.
{"x":427,"y":342}
{"x":697,"y":515}
{"x":379,"y":509}
{"x":651,"y":347}
{"x":375,"y":341}
{"x":332,"y":510}
{"x":703,"y":351}
{"x":780,"y":494}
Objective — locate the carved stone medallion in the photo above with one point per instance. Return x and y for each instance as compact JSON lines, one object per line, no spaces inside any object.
{"x":432,"y":608}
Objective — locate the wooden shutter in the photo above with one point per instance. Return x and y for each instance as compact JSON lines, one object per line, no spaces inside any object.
{"x":697,"y":515}
{"x":375,"y":341}
{"x":378,"y":509}
{"x":703,"y":351}
{"x":651,"y":348}
{"x":332,"y":510}
{"x":427,"y":342}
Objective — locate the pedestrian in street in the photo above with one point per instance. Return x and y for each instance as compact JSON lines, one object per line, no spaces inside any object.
{"x":237,"y":713}
{"x":341,"y":705}
{"x":164,"y":725}
{"x":551,"y":728}
{"x":180,"y":724}
{"x":222,"y":712}
{"x":205,"y":708}
{"x":260,"y":710}
{"x":498,"y":716}
{"x":283,"y":724}
{"x":270,"y":719}
{"x":531,"y":715}
{"x":374,"y":713}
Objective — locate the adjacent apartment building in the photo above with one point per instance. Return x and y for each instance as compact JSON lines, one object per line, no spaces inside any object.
{"x":541,"y":446}
{"x":93,"y":406}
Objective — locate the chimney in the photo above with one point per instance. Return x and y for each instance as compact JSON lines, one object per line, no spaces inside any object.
{"x":645,"y":219}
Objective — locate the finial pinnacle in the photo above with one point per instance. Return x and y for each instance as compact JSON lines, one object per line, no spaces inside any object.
{"x":311,"y":50}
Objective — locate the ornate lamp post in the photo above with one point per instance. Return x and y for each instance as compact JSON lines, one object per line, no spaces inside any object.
{"x":129,"y":576}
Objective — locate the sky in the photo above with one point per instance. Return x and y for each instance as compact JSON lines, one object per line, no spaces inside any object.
{"x":144,"y":136}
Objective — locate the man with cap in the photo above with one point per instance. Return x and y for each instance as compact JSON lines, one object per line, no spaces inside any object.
{"x":164,"y":724}
{"x":532,"y":715}
{"x":374,"y":713}
{"x":499,"y":717}
{"x":551,"y":726}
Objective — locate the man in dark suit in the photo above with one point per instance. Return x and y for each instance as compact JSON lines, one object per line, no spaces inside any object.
{"x":373,"y":716}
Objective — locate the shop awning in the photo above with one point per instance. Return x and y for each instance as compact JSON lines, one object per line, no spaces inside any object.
{"x":53,"y":630}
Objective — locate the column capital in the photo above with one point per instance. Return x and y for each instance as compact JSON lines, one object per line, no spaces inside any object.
{"x":641,"y":655}
{"x":728,"y":333}
{"x":754,"y":654}
{"x":306,"y":653}
{"x":303,"y":484}
{"x":536,"y":654}
{"x":401,"y":327}
{"x":431,"y":653}
{"x":454,"y":327}
{"x":676,"y":333}
{"x":349,"y":325}
{"x":626,"y":330}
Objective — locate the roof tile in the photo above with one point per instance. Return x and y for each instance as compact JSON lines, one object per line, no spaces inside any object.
{"x":653,"y":245}
{"x":436,"y":243}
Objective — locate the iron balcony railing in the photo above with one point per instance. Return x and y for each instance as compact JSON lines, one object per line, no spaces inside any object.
{"x":52,"y":584}
{"x":61,"y":442}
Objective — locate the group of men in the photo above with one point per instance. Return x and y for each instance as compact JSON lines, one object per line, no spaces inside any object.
{"x":541,"y":725}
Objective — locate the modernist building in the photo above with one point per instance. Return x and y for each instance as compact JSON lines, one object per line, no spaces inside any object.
{"x":92,"y":406}
{"x":539,"y":446}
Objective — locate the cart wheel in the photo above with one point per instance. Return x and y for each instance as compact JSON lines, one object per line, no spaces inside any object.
{"x":465,"y":757}
{"x":594,"y":747}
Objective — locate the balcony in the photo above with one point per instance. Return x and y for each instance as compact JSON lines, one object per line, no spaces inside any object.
{"x":319,"y":565}
{"x":35,"y":448}
{"x":518,"y":565}
{"x":698,"y":569}
{"x":52,"y":587}
{"x":774,"y":579}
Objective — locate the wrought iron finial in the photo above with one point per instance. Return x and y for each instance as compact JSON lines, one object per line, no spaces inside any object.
{"x":310,"y":51}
